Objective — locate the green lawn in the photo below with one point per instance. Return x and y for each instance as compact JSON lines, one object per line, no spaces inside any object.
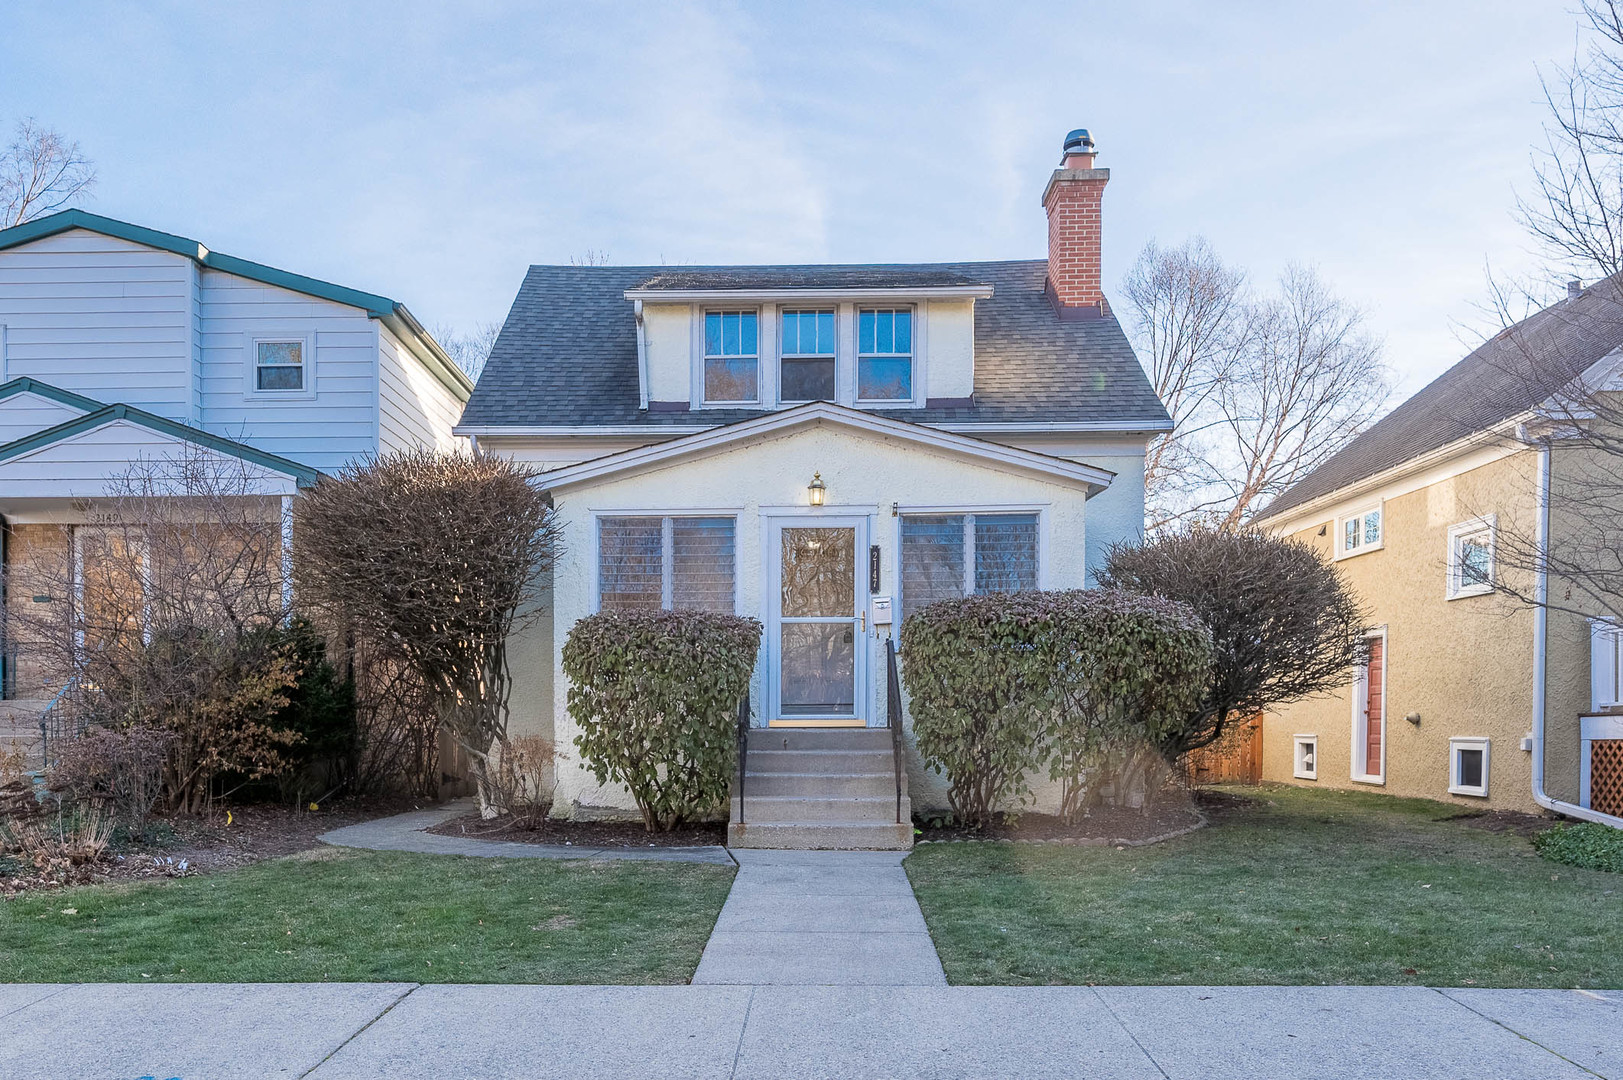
{"x":340,"y":915}
{"x":1311,"y":887}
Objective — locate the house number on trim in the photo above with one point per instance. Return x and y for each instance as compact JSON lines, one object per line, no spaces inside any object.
{"x":873,"y":568}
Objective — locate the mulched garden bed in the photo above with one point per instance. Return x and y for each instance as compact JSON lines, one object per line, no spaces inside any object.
{"x":184,"y":846}
{"x":1504,"y":821}
{"x":1103,"y":825}
{"x":601,"y":834}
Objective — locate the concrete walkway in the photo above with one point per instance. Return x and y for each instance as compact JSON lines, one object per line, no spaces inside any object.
{"x":404,"y":832}
{"x":820,"y":918}
{"x":377,"y":1031}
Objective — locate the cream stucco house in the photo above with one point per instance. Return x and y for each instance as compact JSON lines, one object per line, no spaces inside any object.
{"x":120,"y":344}
{"x":1469,"y":695}
{"x":824,"y":448}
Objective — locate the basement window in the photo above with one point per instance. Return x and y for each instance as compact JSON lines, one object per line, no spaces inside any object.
{"x":1468,"y":767}
{"x":1306,"y":757}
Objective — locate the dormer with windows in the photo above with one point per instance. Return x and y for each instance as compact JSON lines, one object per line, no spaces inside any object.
{"x":764,"y":339}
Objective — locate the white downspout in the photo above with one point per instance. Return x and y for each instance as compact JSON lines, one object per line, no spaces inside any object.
{"x":1541,"y":622}
{"x":642,"y":357}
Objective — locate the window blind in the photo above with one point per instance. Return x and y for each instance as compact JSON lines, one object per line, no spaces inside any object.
{"x":950,"y":555}
{"x":666,"y":562}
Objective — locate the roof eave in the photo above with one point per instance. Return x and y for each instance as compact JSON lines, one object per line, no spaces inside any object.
{"x":1092,"y":477}
{"x":918,"y":292}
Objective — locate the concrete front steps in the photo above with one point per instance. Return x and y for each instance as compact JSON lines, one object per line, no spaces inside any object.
{"x":821,"y":788}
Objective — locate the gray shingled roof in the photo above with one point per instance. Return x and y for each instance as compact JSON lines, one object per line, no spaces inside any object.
{"x":1515,"y":370}
{"x":567,"y":355}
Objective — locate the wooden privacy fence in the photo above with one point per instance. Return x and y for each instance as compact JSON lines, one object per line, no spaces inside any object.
{"x":1236,"y":758}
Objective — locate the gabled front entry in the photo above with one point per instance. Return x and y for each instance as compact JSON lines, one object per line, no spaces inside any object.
{"x":817,"y":621}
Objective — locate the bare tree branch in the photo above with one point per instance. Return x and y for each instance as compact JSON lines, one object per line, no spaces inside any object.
{"x":41,"y":172}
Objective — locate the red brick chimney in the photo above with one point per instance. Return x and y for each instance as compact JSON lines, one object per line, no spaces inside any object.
{"x":1072,"y":199}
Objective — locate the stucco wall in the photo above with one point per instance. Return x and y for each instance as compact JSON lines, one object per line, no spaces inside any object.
{"x":865,"y":474}
{"x":1464,"y":665}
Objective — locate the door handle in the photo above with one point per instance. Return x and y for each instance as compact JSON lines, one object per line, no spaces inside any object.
{"x":862,"y":621}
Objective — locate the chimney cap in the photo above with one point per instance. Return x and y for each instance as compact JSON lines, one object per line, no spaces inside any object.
{"x":1080,"y":142}
{"x":1574,"y":287}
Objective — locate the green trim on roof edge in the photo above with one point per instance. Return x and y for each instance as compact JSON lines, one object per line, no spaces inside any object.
{"x":395,"y":315}
{"x":26,"y":385}
{"x":303,"y":474}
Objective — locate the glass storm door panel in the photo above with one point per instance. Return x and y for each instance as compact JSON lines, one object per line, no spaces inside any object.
{"x":819,"y":623}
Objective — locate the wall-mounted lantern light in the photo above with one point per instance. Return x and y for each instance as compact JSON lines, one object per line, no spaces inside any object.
{"x":816,"y":490}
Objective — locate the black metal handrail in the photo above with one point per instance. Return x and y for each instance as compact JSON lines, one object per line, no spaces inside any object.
{"x":893,"y":717}
{"x":743,"y":749}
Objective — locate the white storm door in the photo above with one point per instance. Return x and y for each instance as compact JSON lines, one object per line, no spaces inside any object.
{"x":817,"y":610}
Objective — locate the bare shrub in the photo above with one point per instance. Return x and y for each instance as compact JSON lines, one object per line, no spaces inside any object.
{"x":434,"y":560}
{"x":122,"y":769}
{"x":61,"y":845}
{"x":526,"y":779}
{"x":1285,"y":624}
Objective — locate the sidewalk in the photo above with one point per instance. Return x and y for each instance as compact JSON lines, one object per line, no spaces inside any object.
{"x":405,"y":832}
{"x":377,"y":1031}
{"x":820,"y":918}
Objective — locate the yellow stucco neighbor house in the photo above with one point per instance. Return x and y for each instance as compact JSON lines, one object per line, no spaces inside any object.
{"x":824,"y":448}
{"x":1473,"y":692}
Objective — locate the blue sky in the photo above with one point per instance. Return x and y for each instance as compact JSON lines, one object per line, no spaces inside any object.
{"x":432,"y":151}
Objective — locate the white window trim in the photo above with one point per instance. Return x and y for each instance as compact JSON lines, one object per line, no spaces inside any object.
{"x":899,"y":511}
{"x":916,"y":400}
{"x":1455,"y":745}
{"x":1605,"y":664}
{"x":1341,"y":551}
{"x":1297,"y":769}
{"x":307,"y":341}
{"x":594,"y":548}
{"x":1360,"y":693}
{"x":839,"y":360}
{"x":1456,"y":533}
{"x":766,"y":343}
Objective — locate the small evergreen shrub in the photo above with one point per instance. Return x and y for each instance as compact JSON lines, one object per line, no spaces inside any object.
{"x":656,"y":695}
{"x":1587,"y":845}
{"x":1084,"y":680}
{"x":977,"y":693}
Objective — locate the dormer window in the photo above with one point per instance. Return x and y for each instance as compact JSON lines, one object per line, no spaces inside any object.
{"x":806,"y":364}
{"x":885,"y":354}
{"x":731,"y":357}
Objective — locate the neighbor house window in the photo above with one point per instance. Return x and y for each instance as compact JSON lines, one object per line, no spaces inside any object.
{"x":1468,"y":767}
{"x":1470,"y":558}
{"x":885,"y":354}
{"x":806,"y":367}
{"x":279,"y":365}
{"x":1360,"y":532}
{"x":951,"y":555}
{"x":731,"y":356}
{"x":666,"y":562}
{"x":1306,"y":757}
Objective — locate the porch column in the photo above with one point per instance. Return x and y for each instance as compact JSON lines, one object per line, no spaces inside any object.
{"x":287,"y":553}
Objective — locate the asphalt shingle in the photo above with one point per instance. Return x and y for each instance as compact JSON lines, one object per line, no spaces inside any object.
{"x":567,"y":355}
{"x":1515,"y":370}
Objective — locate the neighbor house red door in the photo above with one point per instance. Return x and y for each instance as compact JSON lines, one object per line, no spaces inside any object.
{"x":1374,"y":706}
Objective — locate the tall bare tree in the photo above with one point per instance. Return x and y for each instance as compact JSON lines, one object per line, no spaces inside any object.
{"x":471,"y":350}
{"x":41,"y":172}
{"x":1186,"y":311}
{"x":1308,"y":379}
{"x":1261,"y":388}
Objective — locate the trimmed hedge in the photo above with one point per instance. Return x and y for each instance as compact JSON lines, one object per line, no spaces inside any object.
{"x":1587,"y":845}
{"x":1080,"y":679}
{"x":656,"y":696}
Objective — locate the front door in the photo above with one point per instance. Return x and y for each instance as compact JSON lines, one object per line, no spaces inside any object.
{"x":817,"y":622}
{"x":1374,"y":706}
